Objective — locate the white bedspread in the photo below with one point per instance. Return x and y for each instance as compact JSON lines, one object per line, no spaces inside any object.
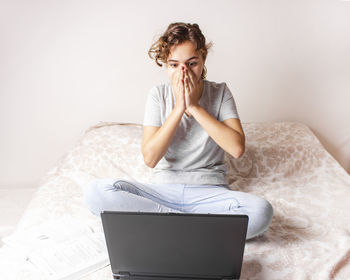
{"x":309,"y":236}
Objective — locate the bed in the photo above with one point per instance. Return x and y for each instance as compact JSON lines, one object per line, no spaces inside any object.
{"x":309,"y":236}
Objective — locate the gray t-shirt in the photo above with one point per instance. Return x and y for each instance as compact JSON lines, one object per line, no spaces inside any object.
{"x":193,"y":157}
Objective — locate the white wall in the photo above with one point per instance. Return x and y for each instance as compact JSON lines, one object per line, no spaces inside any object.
{"x":66,"y":65}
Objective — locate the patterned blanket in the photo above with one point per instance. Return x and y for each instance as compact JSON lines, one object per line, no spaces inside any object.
{"x":309,"y":236}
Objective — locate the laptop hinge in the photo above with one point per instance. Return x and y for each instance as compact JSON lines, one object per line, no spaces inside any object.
{"x":126,"y":275}
{"x":122,"y":275}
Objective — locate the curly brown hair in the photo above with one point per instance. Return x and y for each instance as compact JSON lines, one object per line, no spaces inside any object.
{"x":177,"y":33}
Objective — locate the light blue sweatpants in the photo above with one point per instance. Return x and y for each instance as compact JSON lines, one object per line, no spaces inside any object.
{"x":125,"y":195}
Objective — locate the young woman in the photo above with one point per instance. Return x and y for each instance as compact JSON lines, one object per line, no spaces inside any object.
{"x":188,"y":125}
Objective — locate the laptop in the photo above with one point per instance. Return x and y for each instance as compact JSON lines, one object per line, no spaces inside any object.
{"x":156,"y":246}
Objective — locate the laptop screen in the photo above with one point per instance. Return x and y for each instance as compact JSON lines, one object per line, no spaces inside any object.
{"x":153,"y":245}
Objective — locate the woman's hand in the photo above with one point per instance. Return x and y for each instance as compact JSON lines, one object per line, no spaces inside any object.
{"x":177,"y":84}
{"x":156,"y":140}
{"x":192,"y":94}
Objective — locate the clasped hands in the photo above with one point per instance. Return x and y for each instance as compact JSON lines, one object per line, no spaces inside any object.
{"x":186,"y":89}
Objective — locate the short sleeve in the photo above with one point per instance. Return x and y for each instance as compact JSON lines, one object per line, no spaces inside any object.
{"x":228,"y":107}
{"x":152,"y":110}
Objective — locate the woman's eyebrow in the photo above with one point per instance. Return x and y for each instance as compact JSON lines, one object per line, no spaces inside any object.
{"x":193,"y":57}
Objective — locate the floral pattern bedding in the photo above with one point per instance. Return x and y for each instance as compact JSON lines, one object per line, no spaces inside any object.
{"x":309,"y":236}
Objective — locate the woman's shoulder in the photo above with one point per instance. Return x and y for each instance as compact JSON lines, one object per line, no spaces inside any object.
{"x":161,"y":92}
{"x":218,"y":89}
{"x":162,"y":89}
{"x":215,"y":85}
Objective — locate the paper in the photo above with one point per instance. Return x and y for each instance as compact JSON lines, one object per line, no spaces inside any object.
{"x":62,"y":249}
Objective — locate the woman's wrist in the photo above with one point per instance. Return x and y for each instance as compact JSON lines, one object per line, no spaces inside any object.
{"x":193,"y":109}
{"x":179,"y":109}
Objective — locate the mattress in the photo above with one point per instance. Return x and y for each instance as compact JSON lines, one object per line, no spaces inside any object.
{"x":284,"y":162}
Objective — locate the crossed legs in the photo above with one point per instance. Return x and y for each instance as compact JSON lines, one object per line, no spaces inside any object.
{"x":123,"y":195}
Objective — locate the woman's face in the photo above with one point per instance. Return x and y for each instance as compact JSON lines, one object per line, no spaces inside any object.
{"x":185,"y":55}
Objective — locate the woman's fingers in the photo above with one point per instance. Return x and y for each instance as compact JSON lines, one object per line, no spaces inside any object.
{"x":181,"y":80}
{"x":178,"y":81}
{"x":178,"y":88}
{"x":188,"y":95}
{"x":180,"y":76}
{"x":176,"y":78}
{"x":192,"y":89}
{"x":191,"y":78}
{"x":189,"y":83}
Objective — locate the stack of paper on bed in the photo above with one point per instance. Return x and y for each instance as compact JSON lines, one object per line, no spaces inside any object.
{"x":60,"y":249}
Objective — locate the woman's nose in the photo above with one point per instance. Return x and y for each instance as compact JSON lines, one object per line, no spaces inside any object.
{"x":183,"y":66}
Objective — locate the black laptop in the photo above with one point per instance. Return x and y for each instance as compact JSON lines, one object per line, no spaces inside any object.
{"x":156,"y":246}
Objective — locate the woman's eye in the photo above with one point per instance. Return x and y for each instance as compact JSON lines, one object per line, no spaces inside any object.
{"x":192,"y":63}
{"x":173,"y":65}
